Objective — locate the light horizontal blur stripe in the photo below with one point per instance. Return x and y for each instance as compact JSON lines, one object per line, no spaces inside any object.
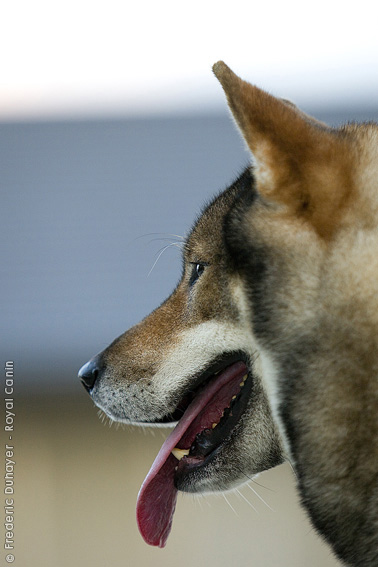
{"x":82,"y":57}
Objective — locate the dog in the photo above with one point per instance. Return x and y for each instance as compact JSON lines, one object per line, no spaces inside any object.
{"x":267,"y":350}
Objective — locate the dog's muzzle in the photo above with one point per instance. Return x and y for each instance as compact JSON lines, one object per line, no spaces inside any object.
{"x":90,"y":372}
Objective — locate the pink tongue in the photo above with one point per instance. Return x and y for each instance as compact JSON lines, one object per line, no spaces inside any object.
{"x":157,"y":497}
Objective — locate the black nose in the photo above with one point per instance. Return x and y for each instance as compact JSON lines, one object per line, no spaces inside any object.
{"x":89,"y":373}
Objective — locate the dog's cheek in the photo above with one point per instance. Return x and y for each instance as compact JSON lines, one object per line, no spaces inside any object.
{"x":212,"y":299}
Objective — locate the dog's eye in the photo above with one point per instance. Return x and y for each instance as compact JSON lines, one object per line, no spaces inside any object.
{"x":197,"y":271}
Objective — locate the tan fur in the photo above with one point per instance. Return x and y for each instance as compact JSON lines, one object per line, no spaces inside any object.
{"x":295,"y":156}
{"x":147,"y":370}
{"x":315,"y":315}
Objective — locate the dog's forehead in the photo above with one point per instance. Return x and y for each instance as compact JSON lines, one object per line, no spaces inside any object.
{"x":203,"y":242}
{"x":205,"y":239}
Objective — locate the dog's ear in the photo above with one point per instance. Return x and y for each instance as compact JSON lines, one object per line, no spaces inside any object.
{"x":299,"y":163}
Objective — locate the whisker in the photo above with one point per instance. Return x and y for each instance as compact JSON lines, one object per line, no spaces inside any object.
{"x":246,"y":500}
{"x":251,"y":479}
{"x":292,"y":469}
{"x":259,"y":497}
{"x":198,"y":500}
{"x":166,"y":234}
{"x":206,"y":500}
{"x":162,"y":238}
{"x":161,"y":235}
{"x":159,"y":256}
{"x":179,"y":245}
{"x":261,"y":485}
{"x":230,"y":505}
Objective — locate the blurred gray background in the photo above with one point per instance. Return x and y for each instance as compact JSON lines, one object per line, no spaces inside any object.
{"x":113,"y":135}
{"x":88,"y":207}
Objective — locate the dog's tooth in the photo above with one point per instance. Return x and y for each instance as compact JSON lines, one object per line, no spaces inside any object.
{"x":179,"y":453}
{"x":214,"y":425}
{"x":244,"y":379}
{"x":233,"y":398}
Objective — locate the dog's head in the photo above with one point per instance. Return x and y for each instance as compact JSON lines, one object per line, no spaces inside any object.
{"x":192,"y":361}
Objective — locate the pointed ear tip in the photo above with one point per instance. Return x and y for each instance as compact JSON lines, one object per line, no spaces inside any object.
{"x":218,"y":66}
{"x":221,"y":71}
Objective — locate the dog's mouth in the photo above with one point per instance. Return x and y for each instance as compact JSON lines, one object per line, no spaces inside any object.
{"x":206,"y":424}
